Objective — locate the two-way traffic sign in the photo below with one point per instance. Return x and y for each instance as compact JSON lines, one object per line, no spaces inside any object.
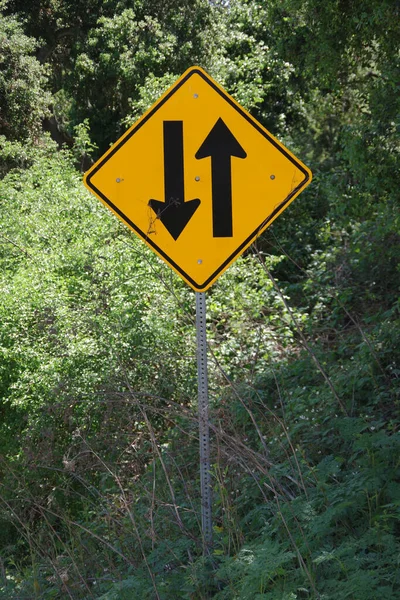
{"x":197,"y":178}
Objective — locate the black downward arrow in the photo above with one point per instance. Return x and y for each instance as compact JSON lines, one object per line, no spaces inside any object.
{"x":174,"y":213}
{"x":221,"y":144}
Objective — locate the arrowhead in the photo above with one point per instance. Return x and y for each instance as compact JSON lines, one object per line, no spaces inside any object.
{"x":174,"y":216}
{"x":220,"y":141}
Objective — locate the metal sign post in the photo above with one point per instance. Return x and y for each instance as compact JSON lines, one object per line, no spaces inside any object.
{"x":204,"y":428}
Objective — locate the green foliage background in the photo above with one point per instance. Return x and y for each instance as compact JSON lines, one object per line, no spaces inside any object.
{"x":99,"y":473}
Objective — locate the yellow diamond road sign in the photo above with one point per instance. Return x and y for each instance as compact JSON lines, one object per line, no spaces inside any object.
{"x":197,"y":178}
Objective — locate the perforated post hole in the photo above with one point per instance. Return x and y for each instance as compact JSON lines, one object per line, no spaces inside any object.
{"x":204,"y":427}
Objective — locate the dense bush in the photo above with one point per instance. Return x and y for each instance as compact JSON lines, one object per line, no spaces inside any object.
{"x":23,"y":93}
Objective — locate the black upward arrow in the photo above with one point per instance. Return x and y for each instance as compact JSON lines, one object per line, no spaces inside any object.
{"x":174,"y":213}
{"x":221,"y":144}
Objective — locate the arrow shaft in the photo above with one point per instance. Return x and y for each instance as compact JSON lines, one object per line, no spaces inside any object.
{"x":173,"y":162}
{"x":222,"y":196}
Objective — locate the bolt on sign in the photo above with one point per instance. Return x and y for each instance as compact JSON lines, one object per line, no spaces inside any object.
{"x":197,"y":178}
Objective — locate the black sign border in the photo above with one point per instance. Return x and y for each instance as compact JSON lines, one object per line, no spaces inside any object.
{"x":145,"y":237}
